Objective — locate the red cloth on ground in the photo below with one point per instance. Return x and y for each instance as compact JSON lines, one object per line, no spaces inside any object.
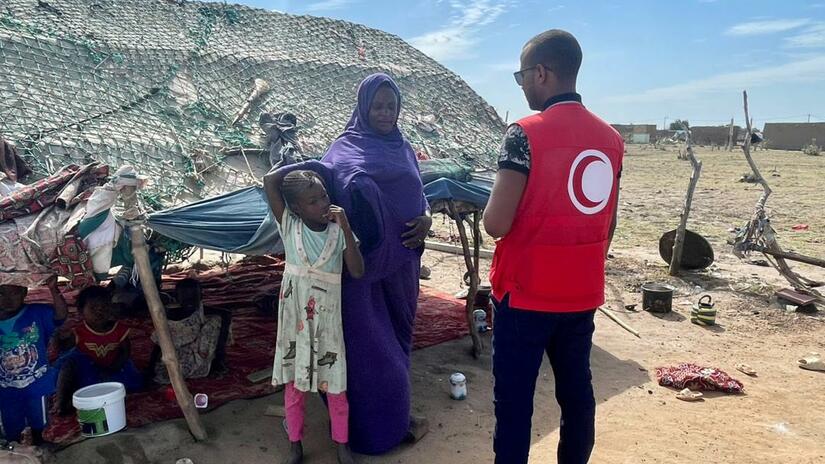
{"x":697,"y":378}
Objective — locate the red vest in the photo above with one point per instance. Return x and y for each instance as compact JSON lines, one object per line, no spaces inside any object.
{"x":553,"y":258}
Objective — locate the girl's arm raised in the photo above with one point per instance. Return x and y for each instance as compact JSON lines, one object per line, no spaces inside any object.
{"x":272,"y":187}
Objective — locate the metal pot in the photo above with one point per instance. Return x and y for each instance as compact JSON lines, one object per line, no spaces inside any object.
{"x":657,"y":298}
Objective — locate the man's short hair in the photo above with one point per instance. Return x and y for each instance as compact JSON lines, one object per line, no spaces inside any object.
{"x":556,"y":49}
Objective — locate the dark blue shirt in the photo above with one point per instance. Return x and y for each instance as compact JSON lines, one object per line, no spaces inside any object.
{"x":24,"y":360}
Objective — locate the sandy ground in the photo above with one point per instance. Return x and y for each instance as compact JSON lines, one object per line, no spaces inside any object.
{"x":780,"y":418}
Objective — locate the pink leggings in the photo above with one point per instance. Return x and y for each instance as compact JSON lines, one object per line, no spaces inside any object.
{"x":294,"y":401}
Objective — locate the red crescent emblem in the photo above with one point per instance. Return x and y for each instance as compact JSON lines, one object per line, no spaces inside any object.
{"x":578,"y":174}
{"x":590,"y":181}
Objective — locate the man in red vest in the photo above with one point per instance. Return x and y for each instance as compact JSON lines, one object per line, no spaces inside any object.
{"x":553,"y":212}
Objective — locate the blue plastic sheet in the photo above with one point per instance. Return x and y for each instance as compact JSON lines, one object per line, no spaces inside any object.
{"x":241,"y":222}
{"x":238,"y":222}
{"x":476,"y":193}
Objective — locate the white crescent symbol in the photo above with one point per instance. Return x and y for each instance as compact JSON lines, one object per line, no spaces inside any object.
{"x":589,"y":185}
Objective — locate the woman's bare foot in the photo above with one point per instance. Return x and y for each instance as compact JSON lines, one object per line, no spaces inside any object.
{"x":296,"y":453}
{"x":419,"y":426}
{"x":344,"y":454}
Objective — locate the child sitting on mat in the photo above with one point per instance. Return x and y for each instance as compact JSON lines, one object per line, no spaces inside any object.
{"x":26,"y":378}
{"x":200,"y":335}
{"x":102,"y":351}
{"x":309,"y":353}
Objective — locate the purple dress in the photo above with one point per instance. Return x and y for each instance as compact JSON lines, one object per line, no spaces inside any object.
{"x":375,"y":178}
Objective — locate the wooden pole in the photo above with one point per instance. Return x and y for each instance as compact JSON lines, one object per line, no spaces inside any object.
{"x":679,"y":241}
{"x":621,"y":323}
{"x":158,"y":313}
{"x":746,"y":148}
{"x":476,"y":241}
{"x":787,"y":255}
{"x":731,"y":142}
{"x":471,"y":295}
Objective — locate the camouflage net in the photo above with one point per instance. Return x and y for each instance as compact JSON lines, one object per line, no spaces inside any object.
{"x":157,"y":84}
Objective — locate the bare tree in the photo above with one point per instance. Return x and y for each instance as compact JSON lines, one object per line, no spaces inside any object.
{"x":679,"y":240}
{"x":759,"y":235}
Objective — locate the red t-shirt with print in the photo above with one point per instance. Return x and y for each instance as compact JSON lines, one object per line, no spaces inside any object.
{"x":101,"y":347}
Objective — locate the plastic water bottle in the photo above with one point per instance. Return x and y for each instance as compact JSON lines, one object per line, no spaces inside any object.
{"x":458,"y":386}
{"x":480,"y":319}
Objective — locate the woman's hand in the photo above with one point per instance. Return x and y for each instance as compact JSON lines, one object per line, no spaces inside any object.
{"x":414,"y":237}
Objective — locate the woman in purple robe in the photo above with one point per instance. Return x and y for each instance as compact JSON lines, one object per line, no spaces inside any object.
{"x":372,"y":172}
{"x":376,"y":180}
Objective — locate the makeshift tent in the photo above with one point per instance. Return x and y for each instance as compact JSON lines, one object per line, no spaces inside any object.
{"x":177,"y":88}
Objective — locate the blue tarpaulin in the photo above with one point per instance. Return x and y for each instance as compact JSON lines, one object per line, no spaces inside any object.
{"x":238,"y":222}
{"x":472,"y":192}
{"x":241,"y":222}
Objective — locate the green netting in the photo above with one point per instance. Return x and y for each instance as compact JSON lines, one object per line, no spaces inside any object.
{"x":156,"y":84}
{"x":438,"y":168}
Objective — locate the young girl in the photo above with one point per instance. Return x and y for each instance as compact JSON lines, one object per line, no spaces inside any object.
{"x":102,"y":351}
{"x":309,"y":354}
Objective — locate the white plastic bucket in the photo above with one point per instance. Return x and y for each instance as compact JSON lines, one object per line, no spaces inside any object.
{"x":101,"y":409}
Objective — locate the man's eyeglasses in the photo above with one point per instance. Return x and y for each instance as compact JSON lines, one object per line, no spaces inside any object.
{"x":519,"y":75}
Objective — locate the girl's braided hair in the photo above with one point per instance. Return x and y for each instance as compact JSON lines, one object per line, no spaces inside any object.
{"x":297,"y":182}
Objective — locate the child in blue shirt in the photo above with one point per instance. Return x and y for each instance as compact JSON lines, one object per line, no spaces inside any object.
{"x":26,"y":378}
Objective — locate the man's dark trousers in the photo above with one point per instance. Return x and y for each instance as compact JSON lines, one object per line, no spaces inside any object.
{"x":520,"y":339}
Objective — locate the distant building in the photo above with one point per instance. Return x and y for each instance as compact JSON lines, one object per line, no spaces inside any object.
{"x":713,"y":135}
{"x":636,"y":133}
{"x":794,"y":135}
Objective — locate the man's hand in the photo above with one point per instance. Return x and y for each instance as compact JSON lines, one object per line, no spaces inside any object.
{"x":339,"y":216}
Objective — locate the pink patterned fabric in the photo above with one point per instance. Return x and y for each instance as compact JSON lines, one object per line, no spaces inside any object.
{"x":43,"y":193}
{"x":697,"y":378}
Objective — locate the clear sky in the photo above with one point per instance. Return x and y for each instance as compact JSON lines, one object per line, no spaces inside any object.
{"x":643,"y":60}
